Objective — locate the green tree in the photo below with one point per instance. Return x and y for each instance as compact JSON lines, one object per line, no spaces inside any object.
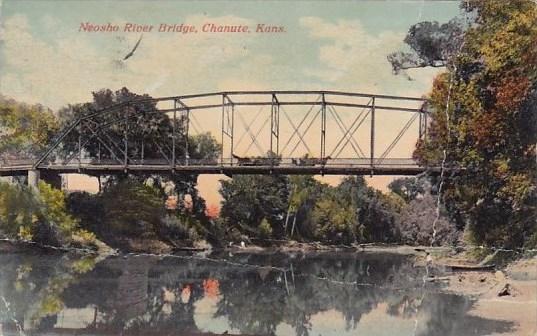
{"x":409,"y":188}
{"x":42,"y":217}
{"x":248,"y":199}
{"x":305,"y":190}
{"x":375,"y":211}
{"x":24,"y":129}
{"x":18,"y":206}
{"x":132,"y":209}
{"x":150,"y":138}
{"x":335,"y":220}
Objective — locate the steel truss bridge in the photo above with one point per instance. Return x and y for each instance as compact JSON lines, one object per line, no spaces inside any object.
{"x":259,"y":132}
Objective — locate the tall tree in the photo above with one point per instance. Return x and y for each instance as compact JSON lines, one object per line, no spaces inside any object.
{"x":484,"y":119}
{"x":250,"y":199}
{"x":148,"y":131}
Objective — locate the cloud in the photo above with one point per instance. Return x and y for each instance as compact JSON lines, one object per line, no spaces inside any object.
{"x":73,"y":65}
{"x":66,"y":68}
{"x":353,"y":59}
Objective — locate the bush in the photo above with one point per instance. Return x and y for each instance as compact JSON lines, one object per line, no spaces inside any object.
{"x":40,"y":217}
{"x":265,"y":230}
{"x":335,"y":222}
{"x":88,"y":209}
{"x":415,"y":225}
{"x":131,"y":209}
{"x":174,"y":228}
{"x":18,"y":208}
{"x":54,"y":210}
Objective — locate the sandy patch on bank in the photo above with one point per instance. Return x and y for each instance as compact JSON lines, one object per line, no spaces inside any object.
{"x":518,"y":306}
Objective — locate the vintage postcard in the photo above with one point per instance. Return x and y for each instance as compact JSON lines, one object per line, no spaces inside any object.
{"x":346,"y":167}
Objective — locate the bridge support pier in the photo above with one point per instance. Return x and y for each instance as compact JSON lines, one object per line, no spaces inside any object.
{"x":53,"y":179}
{"x":33,"y":178}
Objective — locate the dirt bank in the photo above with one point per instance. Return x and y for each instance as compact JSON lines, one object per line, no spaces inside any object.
{"x":509,"y":294}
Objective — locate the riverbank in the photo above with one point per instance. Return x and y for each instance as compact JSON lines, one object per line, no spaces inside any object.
{"x":507,"y":294}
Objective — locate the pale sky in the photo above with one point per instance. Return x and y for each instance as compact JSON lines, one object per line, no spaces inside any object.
{"x":331,"y":45}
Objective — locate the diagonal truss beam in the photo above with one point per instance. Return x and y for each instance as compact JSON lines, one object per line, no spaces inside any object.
{"x":305,"y":132}
{"x":248,"y":127}
{"x":296,"y":128}
{"x":254,"y":138}
{"x":348,"y":135}
{"x":406,"y":126}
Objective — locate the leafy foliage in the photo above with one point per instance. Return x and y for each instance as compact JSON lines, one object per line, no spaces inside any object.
{"x":489,"y":94}
{"x":431,"y":43}
{"x":248,"y":199}
{"x":18,"y":207}
{"x":132,"y":204}
{"x":336,"y":222}
{"x":41,"y":217}
{"x":351,"y":212}
{"x":409,"y":188}
{"x":415,"y":224}
{"x":132,"y":209}
{"x":148,"y":139}
{"x":24,"y":129}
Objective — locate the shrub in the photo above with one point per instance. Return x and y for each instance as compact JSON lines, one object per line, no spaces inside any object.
{"x":131,"y":209}
{"x":265,"y":230}
{"x":175,"y":228}
{"x":40,"y":217}
{"x":335,"y":222}
{"x":18,"y":208}
{"x":415,"y":225}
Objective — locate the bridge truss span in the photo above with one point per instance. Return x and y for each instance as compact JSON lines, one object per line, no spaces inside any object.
{"x":287,"y":132}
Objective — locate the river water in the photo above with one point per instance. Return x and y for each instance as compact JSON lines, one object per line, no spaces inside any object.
{"x":242,"y":293}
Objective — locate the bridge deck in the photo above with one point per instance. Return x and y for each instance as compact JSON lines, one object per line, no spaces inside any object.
{"x":227,"y":169}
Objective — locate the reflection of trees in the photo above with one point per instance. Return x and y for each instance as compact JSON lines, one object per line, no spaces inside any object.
{"x":145,"y":295}
{"x":33,"y":286}
{"x":257,"y":306}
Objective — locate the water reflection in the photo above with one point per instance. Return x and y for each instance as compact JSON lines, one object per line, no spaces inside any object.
{"x":277,"y":294}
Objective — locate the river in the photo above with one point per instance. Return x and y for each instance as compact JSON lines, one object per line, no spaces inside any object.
{"x":344,"y":293}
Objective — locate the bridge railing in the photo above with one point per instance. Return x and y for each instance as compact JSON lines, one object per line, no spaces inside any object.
{"x":16,"y":162}
{"x":257,"y":161}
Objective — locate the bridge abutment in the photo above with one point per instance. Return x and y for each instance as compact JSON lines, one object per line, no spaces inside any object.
{"x":34,"y":176}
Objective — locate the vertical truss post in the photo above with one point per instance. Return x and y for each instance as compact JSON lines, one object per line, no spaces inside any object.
{"x":185,"y":123}
{"x":372,"y":149}
{"x":125,"y":138}
{"x":425,"y":125}
{"x":323,"y":127}
{"x":420,"y":127}
{"x":186,"y":127}
{"x":275,"y":125}
{"x":80,"y":145}
{"x":228,"y":118}
{"x":173,"y":133}
{"x":222,"y":123}
{"x":232,"y":132}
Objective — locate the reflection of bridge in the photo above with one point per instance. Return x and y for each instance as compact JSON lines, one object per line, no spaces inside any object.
{"x":260,"y":132}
